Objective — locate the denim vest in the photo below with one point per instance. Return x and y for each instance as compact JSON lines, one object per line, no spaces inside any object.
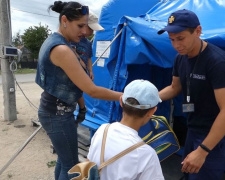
{"x":52,"y":78}
{"x":84,"y":49}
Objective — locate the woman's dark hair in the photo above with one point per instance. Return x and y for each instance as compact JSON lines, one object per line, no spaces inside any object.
{"x":131,"y":111}
{"x":72,"y":10}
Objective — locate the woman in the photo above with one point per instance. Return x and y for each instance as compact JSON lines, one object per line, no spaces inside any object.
{"x":63,"y":79}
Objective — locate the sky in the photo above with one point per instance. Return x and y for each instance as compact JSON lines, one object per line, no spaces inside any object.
{"x":26,"y":13}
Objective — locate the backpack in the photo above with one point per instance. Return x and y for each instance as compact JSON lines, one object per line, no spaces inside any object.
{"x":89,"y":171}
{"x":161,"y":137}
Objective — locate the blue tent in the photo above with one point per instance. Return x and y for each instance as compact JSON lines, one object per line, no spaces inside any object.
{"x":111,"y":13}
{"x":140,"y":53}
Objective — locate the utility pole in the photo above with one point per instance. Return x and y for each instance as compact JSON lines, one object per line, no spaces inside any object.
{"x":8,"y":84}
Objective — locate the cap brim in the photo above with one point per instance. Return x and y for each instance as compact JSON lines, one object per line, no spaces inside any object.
{"x":172,"y":29}
{"x":96,"y":27}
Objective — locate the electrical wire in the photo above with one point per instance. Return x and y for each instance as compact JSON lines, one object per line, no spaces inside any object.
{"x":14,"y":77}
{"x":30,"y":138}
{"x":13,"y":68}
{"x":30,"y":103}
{"x":13,"y":65}
{"x":33,"y":13}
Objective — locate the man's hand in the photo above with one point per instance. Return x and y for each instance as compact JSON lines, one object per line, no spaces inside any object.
{"x":194,"y":161}
{"x":81,"y":115}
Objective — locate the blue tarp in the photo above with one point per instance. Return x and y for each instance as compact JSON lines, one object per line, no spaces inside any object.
{"x":139,"y":52}
{"x":111,"y":13}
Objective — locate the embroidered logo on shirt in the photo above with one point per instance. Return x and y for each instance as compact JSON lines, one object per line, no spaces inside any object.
{"x":198,"y":76}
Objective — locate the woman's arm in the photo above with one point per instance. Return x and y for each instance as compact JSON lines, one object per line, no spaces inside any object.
{"x":63,"y":57}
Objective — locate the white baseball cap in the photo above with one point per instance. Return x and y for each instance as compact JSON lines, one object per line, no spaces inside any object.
{"x":144,"y":92}
{"x":93,"y":22}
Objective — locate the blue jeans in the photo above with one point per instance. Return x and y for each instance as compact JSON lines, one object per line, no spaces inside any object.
{"x":214,"y":166}
{"x":62,"y":131}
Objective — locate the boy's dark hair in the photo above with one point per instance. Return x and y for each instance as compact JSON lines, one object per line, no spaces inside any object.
{"x":131,"y":111}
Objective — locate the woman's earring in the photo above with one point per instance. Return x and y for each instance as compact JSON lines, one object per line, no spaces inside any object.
{"x":64,"y":25}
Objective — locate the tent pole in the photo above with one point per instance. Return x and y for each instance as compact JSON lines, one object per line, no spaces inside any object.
{"x":108,"y":46}
{"x":116,"y":74}
{"x":17,"y":153}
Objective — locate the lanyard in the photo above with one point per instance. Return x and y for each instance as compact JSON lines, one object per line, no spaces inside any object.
{"x":191,"y":74}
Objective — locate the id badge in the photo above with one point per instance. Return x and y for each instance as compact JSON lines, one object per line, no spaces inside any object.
{"x":188,"y":107}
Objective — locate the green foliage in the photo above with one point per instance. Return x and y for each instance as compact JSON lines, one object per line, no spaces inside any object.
{"x":33,"y":38}
{"x":17,"y":40}
{"x":25,"y":71}
{"x":51,"y":164}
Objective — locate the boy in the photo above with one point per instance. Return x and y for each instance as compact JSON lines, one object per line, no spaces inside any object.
{"x":139,"y":103}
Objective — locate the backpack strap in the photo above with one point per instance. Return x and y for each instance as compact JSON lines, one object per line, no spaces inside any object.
{"x":103,"y":143}
{"x":124,"y":152}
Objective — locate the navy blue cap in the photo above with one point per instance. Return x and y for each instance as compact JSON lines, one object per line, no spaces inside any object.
{"x":181,"y":20}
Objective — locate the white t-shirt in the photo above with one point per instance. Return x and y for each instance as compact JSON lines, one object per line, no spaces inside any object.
{"x":142,"y":163}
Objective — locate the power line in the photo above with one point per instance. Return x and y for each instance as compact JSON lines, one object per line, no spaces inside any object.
{"x":33,"y":13}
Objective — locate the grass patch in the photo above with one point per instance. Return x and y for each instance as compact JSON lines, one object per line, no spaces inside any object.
{"x":25,"y":71}
{"x":51,"y":164}
{"x":9,"y":175}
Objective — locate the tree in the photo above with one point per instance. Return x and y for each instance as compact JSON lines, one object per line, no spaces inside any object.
{"x":17,"y":40}
{"x":33,"y":38}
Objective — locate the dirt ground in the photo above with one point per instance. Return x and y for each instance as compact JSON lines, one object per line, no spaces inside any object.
{"x":31,"y":163}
